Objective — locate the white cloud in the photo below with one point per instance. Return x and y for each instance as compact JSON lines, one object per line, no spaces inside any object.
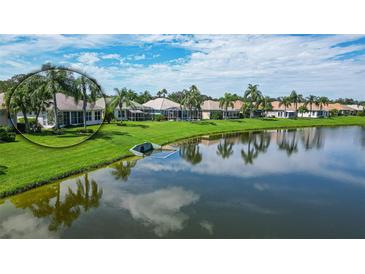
{"x":88,"y":58}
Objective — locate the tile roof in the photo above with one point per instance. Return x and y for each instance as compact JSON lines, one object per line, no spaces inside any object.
{"x":162,"y":104}
{"x":275,"y":106}
{"x":209,"y":105}
{"x":67,"y":103}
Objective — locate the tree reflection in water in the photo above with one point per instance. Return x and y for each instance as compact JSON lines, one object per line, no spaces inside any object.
{"x":123,"y":169}
{"x":62,"y":212}
{"x":190,"y":152}
{"x":225,"y":149}
{"x":287,"y":141}
{"x":256,"y":143}
{"x":312,"y":138}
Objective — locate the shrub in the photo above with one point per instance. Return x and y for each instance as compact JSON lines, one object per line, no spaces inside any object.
{"x":7,"y":134}
{"x":85,"y":131}
{"x":216,"y":115}
{"x":160,"y":117}
{"x":360,"y":113}
{"x":334,"y":112}
{"x":58,"y":131}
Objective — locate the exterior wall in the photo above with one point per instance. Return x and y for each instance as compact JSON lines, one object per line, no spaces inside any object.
{"x":71,"y":122}
{"x":205,"y":115}
{"x":314,"y":114}
{"x":4,"y":121}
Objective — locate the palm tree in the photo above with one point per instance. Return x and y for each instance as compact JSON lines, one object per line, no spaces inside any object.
{"x":225,"y":102}
{"x":122,"y":98}
{"x":265,"y":103}
{"x":322,"y":101}
{"x":253,"y":95}
{"x":295,"y":99}
{"x":311,"y":100}
{"x":83,"y":85}
{"x":58,"y":80}
{"x":302,"y":109}
{"x":192,"y":99}
{"x":286,"y":102}
{"x":225,"y":150}
{"x":162,"y":93}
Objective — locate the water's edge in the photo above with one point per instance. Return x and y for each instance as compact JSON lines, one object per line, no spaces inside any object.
{"x":108,"y":162}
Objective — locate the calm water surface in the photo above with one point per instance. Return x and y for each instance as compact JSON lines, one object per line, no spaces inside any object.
{"x":305,"y":183}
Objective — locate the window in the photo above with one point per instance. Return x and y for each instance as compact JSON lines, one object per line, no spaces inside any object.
{"x":74,"y":117}
{"x":97,"y":115}
{"x":119,"y":114}
{"x":88,"y":116}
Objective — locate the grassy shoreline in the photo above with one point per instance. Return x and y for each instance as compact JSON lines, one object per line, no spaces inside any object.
{"x":29,"y":165}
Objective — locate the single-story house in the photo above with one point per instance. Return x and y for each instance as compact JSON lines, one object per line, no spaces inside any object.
{"x":70,"y":113}
{"x":171,"y":110}
{"x":4,"y":115}
{"x":137,"y":112}
{"x":342,"y":109}
{"x":210,"y":106}
{"x":280,"y":112}
{"x":356,"y":108}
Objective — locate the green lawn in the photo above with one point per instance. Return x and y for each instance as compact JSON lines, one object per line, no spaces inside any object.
{"x":27,"y":165}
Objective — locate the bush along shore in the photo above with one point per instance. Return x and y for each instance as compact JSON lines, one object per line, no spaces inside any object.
{"x":25,"y":165}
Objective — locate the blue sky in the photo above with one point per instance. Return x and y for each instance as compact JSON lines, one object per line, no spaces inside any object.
{"x":328,"y":65}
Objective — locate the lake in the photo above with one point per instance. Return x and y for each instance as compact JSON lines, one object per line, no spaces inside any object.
{"x":304,"y":183}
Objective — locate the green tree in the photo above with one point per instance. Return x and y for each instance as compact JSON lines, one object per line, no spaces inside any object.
{"x":302,"y":109}
{"x":192,"y":100}
{"x":88,"y":91}
{"x":322,"y":101}
{"x":58,"y":80}
{"x":265,"y":104}
{"x":123,"y":97}
{"x":286,"y":102}
{"x":253,"y":96}
{"x":296,"y":99}
{"x":311,"y":100}
{"x":225,"y":102}
{"x":162,"y":93}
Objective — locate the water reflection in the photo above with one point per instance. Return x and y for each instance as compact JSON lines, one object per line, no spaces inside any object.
{"x":160,"y":209}
{"x":122,"y":169}
{"x":287,"y":141}
{"x":61,"y":211}
{"x":190,"y":152}
{"x":225,"y":148}
{"x":255,"y":143}
{"x":274,"y":184}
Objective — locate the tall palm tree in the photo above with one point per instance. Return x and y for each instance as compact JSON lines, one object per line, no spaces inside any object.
{"x":58,"y":80}
{"x":311,"y":100}
{"x":192,"y":99}
{"x":322,"y":101}
{"x":252,"y":95}
{"x":122,"y":98}
{"x":296,"y":99}
{"x":286,"y":102}
{"x":162,"y":93}
{"x":265,"y":103}
{"x":225,"y":102}
{"x":88,"y":91}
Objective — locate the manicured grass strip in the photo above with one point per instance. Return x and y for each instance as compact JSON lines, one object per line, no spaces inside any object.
{"x":28,"y":165}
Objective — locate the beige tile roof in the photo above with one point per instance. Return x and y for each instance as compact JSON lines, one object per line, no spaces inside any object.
{"x":101,"y":102}
{"x":67,"y":103}
{"x":211,"y":105}
{"x":161,"y":104}
{"x":275,"y":106}
{"x":356,"y":107}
